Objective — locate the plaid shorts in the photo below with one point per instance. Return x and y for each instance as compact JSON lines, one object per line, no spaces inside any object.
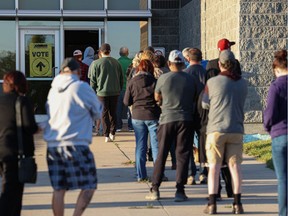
{"x":71,"y":167}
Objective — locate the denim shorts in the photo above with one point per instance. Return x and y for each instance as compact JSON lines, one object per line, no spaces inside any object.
{"x":71,"y":167}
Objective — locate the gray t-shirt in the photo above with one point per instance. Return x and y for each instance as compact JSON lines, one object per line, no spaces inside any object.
{"x":179,"y":91}
{"x":227,"y":98}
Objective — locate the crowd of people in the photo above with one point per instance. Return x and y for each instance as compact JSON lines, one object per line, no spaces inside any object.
{"x":168,"y":105}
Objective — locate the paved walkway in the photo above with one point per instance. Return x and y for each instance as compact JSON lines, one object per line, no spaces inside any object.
{"x":119,"y":194}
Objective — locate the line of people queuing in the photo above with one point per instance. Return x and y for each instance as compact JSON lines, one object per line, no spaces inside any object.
{"x":168,"y":105}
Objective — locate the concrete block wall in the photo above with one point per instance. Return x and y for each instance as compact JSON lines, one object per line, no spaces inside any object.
{"x":165,"y":29}
{"x":263,"y":30}
{"x":190,"y":25}
{"x":219,"y":19}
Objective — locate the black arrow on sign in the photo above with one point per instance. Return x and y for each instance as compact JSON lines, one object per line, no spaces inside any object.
{"x":40,"y":65}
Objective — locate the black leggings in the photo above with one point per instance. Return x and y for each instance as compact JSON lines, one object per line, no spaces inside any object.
{"x":12,"y":189}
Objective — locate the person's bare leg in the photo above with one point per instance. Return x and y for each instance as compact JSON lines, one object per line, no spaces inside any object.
{"x":83,"y":201}
{"x":213,"y":178}
{"x":236,"y":176}
{"x":58,"y":202}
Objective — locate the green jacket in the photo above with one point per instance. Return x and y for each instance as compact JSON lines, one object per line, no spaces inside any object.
{"x":106,"y":77}
{"x":125,"y":62}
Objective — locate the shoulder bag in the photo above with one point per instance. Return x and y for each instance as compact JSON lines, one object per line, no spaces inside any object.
{"x":27,"y":167}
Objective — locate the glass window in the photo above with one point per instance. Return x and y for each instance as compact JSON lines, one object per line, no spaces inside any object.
{"x":7,"y":5}
{"x":127,"y":5}
{"x":83,"y":5}
{"x":42,"y":23}
{"x":132,"y":34}
{"x":39,"y":5}
{"x":7,"y":47}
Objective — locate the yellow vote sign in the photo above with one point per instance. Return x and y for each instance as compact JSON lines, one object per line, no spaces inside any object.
{"x":40,"y":56}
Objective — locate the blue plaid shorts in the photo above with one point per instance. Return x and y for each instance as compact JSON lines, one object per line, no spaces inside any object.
{"x":71,"y":167}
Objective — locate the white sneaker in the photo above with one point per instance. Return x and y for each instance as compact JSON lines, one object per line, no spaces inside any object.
{"x":112,"y":137}
{"x":191,"y":180}
{"x":107,"y":139}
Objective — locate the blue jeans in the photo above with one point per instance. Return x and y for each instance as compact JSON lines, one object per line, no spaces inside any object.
{"x":141,"y":130}
{"x":279,"y":155}
{"x":120,"y":108}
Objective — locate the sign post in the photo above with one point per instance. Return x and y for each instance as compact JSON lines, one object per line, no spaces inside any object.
{"x":40,"y":56}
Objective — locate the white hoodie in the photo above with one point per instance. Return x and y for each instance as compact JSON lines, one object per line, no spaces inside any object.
{"x":71,"y":107}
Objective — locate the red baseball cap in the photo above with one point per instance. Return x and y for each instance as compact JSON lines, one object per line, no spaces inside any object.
{"x":224,"y":44}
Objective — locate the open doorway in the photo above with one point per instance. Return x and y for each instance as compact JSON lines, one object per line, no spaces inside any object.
{"x":80,"y":39}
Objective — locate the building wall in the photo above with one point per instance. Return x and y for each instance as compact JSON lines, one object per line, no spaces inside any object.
{"x":165,"y":29}
{"x":190,"y":25}
{"x":263,"y":30}
{"x":219,"y":19}
{"x":259,"y":28}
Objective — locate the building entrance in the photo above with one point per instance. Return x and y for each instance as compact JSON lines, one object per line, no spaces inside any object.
{"x":80,"y":39}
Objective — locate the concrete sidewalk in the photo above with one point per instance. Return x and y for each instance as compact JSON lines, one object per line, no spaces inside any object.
{"x":119,"y":194}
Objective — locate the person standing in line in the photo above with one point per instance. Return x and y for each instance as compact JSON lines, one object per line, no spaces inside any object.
{"x":71,"y":108}
{"x":14,"y":85}
{"x":213,"y":68}
{"x":77,"y":54}
{"x":88,"y":58}
{"x":194,"y":57}
{"x":145,"y":115}
{"x":124,"y":62}
{"x":225,"y":96}
{"x":176,"y":93}
{"x":223,"y":44}
{"x":106,"y":78}
{"x":89,"y":55}
{"x":160,"y":68}
{"x":275,"y":122}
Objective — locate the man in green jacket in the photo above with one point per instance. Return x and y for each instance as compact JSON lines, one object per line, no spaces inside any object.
{"x":124,"y":62}
{"x":106,"y":78}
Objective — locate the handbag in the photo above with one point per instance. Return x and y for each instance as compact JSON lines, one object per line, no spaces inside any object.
{"x":27,"y":167}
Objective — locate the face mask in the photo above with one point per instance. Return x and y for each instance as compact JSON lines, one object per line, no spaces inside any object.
{"x":186,"y":64}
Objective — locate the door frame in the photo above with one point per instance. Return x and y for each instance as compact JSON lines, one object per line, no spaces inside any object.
{"x":56,"y":33}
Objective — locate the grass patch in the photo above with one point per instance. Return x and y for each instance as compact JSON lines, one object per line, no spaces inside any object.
{"x":262,"y":150}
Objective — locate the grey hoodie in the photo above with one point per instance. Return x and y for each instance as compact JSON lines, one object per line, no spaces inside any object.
{"x":88,"y":56}
{"x":71,"y":107}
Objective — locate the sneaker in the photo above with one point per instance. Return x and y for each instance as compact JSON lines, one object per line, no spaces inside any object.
{"x":107,"y":139}
{"x":191,"y":180}
{"x":112,"y":137}
{"x":131,"y":130}
{"x":143,"y":180}
{"x":203,"y":179}
{"x":119,"y":130}
{"x":180,"y":197}
{"x":153,"y":195}
{"x":237,"y":209}
{"x":210,"y":209}
{"x":95,"y":134}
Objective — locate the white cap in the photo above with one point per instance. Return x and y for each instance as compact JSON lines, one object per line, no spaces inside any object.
{"x":176,"y":56}
{"x":77,"y":53}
